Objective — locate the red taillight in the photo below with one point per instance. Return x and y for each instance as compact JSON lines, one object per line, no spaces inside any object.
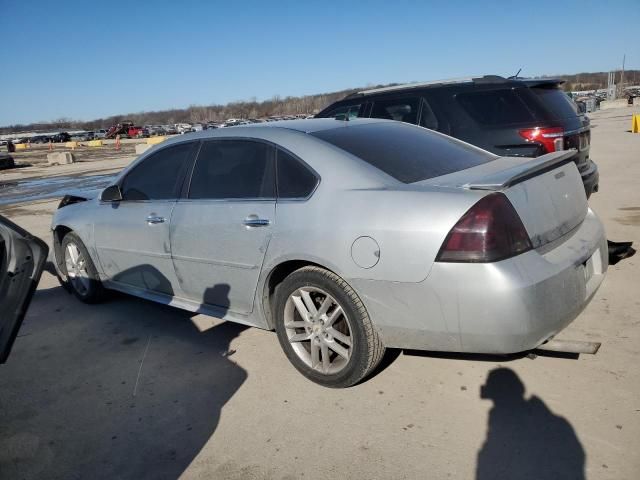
{"x":552,"y":138}
{"x":490,"y":231}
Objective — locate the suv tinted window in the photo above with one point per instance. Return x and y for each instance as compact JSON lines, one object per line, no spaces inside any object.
{"x":400,"y":109}
{"x":407,"y":153}
{"x":295,"y":180}
{"x":427,"y":117}
{"x":343,"y":111}
{"x":233,"y":169}
{"x":156,"y":178}
{"x":557,"y":101}
{"x":495,"y":107}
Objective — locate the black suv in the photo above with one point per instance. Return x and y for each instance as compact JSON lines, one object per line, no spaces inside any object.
{"x":509,"y":117}
{"x":61,"y":137}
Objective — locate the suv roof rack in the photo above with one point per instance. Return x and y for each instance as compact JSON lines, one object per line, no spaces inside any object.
{"x":485,"y":79}
{"x":433,"y":83}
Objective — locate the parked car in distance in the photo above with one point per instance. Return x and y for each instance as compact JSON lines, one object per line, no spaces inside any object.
{"x":386,"y":235}
{"x":155,"y":131}
{"x":101,"y":133}
{"x":137,"y":132}
{"x":515,"y":117}
{"x":61,"y":137}
{"x":83,"y":136}
{"x":40,"y":139}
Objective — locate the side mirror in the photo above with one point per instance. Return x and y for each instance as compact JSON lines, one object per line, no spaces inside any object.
{"x":111,"y":194}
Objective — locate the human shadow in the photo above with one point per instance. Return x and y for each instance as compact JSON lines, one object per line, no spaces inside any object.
{"x":126,"y":389}
{"x":525,"y":440}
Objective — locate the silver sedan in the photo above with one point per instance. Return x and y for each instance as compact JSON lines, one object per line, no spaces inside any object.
{"x":345,"y":237}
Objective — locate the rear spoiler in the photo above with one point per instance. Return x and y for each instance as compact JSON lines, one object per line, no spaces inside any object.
{"x":522,"y":171}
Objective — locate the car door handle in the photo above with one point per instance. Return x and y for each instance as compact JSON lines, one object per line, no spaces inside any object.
{"x":153,"y":219}
{"x":254,"y":221}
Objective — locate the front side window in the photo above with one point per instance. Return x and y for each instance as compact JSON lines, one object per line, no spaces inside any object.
{"x":228,"y":169}
{"x":295,"y":180}
{"x":157,"y":177}
{"x":400,"y":109}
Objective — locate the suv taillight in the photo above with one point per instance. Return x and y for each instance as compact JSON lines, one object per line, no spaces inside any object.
{"x":490,"y":231}
{"x":552,"y":138}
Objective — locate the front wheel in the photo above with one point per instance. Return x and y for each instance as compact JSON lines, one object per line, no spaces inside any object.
{"x":324,"y":329}
{"x":79,"y":270}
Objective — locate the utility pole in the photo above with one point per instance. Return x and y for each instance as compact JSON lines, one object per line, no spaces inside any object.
{"x":624,"y":56}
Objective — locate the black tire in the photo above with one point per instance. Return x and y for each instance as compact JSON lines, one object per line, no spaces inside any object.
{"x":94,"y":291}
{"x":367,"y":348}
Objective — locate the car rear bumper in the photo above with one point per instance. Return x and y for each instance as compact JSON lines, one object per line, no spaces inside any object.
{"x":504,"y":307}
{"x":591,"y":179}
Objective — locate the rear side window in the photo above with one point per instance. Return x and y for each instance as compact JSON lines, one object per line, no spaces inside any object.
{"x":156,"y":178}
{"x":407,"y":153}
{"x":233,"y":169}
{"x":554,"y":99}
{"x":344,"y":112}
{"x":496,"y":107}
{"x":295,"y":180}
{"x":400,"y":109}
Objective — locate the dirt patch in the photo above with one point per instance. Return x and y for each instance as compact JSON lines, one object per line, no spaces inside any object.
{"x":15,"y":210}
{"x":632,"y":219}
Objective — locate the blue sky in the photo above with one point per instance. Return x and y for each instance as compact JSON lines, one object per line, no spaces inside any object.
{"x":84,"y":60}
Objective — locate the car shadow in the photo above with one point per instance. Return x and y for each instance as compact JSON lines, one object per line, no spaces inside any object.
{"x":525,"y":439}
{"x":126,"y":389}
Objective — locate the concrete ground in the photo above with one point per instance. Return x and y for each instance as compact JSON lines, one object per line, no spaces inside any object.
{"x":130,"y":389}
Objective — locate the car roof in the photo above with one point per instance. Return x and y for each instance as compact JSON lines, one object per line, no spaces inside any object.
{"x":483,"y":80}
{"x":311,"y":125}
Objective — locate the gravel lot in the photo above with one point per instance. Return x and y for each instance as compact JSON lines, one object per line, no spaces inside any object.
{"x":130,"y":389}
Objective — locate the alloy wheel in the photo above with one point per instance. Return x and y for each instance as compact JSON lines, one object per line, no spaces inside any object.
{"x":318,"y":330}
{"x":76,"y":266}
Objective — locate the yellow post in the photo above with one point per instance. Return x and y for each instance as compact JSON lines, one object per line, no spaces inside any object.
{"x":635,"y":123}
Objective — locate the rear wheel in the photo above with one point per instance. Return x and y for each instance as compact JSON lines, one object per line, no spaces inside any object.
{"x":324,"y":328}
{"x":79,"y":270}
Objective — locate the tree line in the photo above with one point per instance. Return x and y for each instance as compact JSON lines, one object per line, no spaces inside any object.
{"x":593,"y":81}
{"x":276,"y":106}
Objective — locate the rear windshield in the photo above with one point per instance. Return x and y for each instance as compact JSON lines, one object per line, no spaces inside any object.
{"x":560,"y":105}
{"x":406,"y":152}
{"x":496,"y":107}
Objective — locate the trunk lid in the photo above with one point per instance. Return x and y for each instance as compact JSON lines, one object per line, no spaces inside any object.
{"x":547,"y":191}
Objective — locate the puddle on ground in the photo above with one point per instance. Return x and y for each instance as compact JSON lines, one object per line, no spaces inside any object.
{"x":29,"y":190}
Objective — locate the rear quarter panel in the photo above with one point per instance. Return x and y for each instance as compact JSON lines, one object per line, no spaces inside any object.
{"x":408,"y":226}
